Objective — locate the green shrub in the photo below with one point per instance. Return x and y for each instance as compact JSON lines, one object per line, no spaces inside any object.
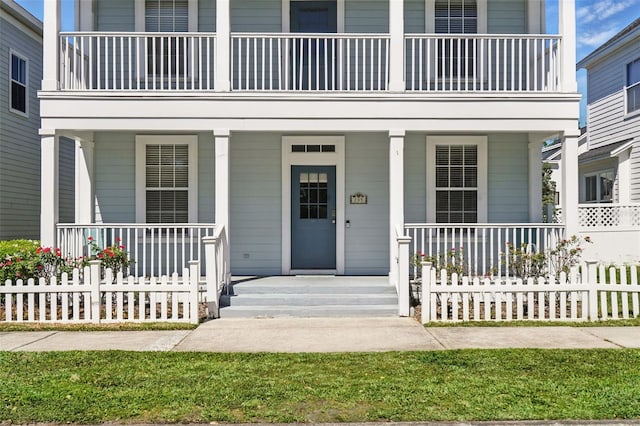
{"x":13,"y":247}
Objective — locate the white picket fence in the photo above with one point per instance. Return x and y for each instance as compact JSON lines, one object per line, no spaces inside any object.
{"x":86,"y":297}
{"x":589,"y":293}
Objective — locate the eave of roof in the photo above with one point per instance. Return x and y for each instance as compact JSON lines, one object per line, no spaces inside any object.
{"x":22,"y":15}
{"x":602,"y":152}
{"x":628,"y":33}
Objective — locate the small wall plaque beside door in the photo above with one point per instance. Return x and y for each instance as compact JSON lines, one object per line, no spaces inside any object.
{"x":358,"y":198}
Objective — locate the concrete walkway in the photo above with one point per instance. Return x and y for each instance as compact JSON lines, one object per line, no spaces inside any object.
{"x":323,"y":335}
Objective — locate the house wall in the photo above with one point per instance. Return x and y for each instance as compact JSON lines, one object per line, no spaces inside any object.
{"x":256,"y":15}
{"x":607,"y":118}
{"x":507,"y":17}
{"x":367,"y":171}
{"x":19,"y":139}
{"x":635,"y":172}
{"x":115,"y":177}
{"x":256,"y":206}
{"x":115,"y":15}
{"x":67,"y":181}
{"x":207,"y":16}
{"x":507,"y":178}
{"x":369,"y":16}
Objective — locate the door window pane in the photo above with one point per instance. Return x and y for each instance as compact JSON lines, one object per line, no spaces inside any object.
{"x":313,"y":195}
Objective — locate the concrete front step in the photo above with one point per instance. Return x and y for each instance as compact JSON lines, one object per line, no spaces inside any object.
{"x":309,"y":296}
{"x":309,"y":311}
{"x":308,"y":299}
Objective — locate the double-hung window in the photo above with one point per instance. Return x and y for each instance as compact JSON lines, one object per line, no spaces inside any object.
{"x":457,"y":179}
{"x":19,"y":84}
{"x":598,"y":187}
{"x":167,"y":54}
{"x":633,"y":86}
{"x":456,"y":55}
{"x":166,"y":179}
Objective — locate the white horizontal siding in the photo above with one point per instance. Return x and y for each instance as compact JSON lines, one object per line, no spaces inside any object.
{"x":19,"y":141}
{"x":635,"y":172}
{"x":256,"y":206}
{"x":606,"y":79}
{"x":367,"y":171}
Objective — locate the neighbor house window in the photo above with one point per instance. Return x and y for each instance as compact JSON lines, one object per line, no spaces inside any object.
{"x":19,"y":84}
{"x":599,"y":187}
{"x":457,"y":188}
{"x":633,"y":86}
{"x":166,"y":179}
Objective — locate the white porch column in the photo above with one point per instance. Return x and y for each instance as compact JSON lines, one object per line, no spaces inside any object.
{"x":51,"y":28}
{"x":49,"y":188}
{"x":396,"y":47}
{"x":223,"y":46}
{"x":570,"y":183}
{"x":567,"y":29}
{"x":85,"y":190}
{"x":396,"y":193}
{"x":222,"y":184}
{"x":535,"y":181}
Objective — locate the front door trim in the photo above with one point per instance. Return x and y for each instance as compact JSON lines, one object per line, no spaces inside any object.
{"x":313,"y":159}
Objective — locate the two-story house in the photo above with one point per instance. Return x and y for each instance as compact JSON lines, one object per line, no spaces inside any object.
{"x":609,"y":162}
{"x":311,"y":131}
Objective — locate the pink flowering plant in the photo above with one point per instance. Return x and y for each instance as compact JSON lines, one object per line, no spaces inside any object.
{"x":567,"y":254}
{"x":31,"y":261}
{"x":114,"y":257}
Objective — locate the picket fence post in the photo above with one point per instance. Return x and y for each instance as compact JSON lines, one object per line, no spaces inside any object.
{"x":592,"y":283}
{"x":194,"y":277}
{"x":403,"y":276}
{"x":426,"y":292}
{"x":213,"y":308}
{"x":94,"y":283}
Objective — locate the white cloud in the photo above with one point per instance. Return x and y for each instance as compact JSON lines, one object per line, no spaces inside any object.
{"x":596,"y":38}
{"x":602,"y":9}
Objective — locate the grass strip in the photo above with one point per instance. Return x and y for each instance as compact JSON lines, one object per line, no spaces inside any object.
{"x":631,"y":322}
{"x":96,"y":387}
{"x":126,"y":326}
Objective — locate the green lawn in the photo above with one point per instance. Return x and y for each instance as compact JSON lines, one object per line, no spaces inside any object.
{"x":95,"y":387}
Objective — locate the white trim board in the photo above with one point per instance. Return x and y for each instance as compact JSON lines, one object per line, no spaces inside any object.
{"x":336,"y":159}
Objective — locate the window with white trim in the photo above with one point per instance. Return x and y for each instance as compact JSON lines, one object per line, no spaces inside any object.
{"x":598,"y":187}
{"x":633,"y":86}
{"x":457,"y":183}
{"x":455,"y":57}
{"x":166,"y":179}
{"x":166,"y":53}
{"x":19,"y":78}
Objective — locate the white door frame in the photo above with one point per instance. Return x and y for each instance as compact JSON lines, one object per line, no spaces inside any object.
{"x":313,"y":159}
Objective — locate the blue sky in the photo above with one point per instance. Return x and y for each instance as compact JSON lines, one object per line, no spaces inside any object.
{"x":597,"y":21}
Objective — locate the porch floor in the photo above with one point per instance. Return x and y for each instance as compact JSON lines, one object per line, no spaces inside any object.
{"x":309,"y":296}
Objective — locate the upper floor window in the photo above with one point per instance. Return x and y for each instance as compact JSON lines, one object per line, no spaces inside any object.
{"x":167,"y":16}
{"x":633,"y":86}
{"x":599,"y":187}
{"x":19,"y":84}
{"x":456,"y":16}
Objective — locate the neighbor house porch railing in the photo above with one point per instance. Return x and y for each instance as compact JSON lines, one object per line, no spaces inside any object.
{"x":486,"y":63}
{"x":310,"y":62}
{"x":609,"y":216}
{"x":137,"y":61}
{"x":478,"y":248}
{"x":158,"y":249}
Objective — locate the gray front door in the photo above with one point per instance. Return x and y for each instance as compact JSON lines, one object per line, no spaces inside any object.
{"x":313,"y":217}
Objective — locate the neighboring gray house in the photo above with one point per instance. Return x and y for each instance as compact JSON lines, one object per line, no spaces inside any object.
{"x":20,"y":79}
{"x":610,"y":165}
{"x":609,"y":160}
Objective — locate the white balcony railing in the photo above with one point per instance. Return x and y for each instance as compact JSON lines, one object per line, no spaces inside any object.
{"x":158,"y":249}
{"x":478,"y":248}
{"x":469,"y":62}
{"x":310,"y":62}
{"x":609,"y":216}
{"x":137,"y":61}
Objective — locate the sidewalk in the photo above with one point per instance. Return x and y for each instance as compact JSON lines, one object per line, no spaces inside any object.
{"x":323,"y":335}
